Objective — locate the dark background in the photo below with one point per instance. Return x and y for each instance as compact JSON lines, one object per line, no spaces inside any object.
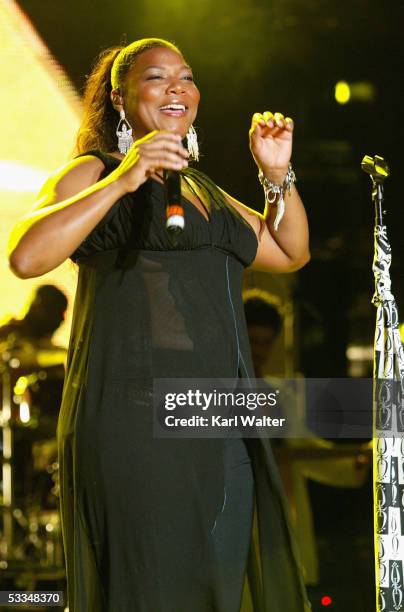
{"x":287,"y":55}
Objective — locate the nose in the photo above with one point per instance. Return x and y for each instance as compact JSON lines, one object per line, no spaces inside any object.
{"x":175,"y":86}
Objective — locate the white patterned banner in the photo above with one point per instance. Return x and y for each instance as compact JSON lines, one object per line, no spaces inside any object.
{"x":388,"y":440}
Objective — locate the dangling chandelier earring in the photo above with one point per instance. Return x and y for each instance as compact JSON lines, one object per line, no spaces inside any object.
{"x":124,"y":133}
{"x":192,"y":143}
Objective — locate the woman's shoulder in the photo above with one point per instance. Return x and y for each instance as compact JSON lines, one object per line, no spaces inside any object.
{"x":98,"y":156}
{"x":83,"y":170}
{"x":71,"y":177}
{"x":86,"y":168}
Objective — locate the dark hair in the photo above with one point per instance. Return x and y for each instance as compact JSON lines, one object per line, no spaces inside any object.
{"x":261,"y":311}
{"x":50,"y":296}
{"x":98,"y":126}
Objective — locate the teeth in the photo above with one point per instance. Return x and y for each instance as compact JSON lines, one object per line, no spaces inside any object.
{"x":173,"y":107}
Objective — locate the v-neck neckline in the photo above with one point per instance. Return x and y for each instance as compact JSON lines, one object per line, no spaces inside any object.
{"x":209,"y":213}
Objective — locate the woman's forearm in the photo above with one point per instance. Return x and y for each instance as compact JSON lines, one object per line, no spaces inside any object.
{"x":44,"y":238}
{"x":292,"y":235}
{"x":271,"y":144}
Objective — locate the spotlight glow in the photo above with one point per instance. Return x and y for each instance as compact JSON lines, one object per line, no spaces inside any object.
{"x":24,"y":412}
{"x":39,"y":119}
{"x":342,"y":92}
{"x":19,"y":177}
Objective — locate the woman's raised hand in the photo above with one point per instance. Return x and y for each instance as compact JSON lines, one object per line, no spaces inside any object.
{"x":271,"y":137}
{"x":157,"y":150}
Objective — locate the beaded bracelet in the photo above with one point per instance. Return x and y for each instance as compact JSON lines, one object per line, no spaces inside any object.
{"x":272,"y":191}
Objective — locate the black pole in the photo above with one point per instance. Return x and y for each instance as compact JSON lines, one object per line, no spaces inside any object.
{"x":377,"y":197}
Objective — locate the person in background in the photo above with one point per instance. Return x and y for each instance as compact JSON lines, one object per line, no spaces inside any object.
{"x":45,"y":315}
{"x":264,"y":323}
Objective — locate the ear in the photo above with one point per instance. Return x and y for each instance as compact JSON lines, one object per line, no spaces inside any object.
{"x":116,"y":99}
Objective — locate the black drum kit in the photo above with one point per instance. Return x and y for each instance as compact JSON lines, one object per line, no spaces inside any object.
{"x":31,"y":548}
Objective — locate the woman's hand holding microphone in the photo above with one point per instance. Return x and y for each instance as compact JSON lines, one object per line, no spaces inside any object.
{"x":157,"y":150}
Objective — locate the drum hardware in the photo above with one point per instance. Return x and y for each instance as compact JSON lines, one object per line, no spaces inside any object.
{"x":30,"y":528}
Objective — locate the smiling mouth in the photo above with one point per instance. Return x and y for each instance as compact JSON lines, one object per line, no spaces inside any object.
{"x":174,"y":110}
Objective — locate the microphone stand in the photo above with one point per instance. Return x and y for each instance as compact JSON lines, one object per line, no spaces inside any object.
{"x":378,"y":170}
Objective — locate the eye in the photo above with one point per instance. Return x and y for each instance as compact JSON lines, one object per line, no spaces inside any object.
{"x":189,"y":77}
{"x":154,"y":76}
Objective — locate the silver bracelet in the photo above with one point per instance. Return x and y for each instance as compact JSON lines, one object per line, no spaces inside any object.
{"x":272,"y":191}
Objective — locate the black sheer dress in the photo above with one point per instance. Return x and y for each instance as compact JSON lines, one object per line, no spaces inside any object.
{"x":152,"y":524}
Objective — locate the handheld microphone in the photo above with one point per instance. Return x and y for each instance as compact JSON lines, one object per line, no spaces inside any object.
{"x":175,"y":222}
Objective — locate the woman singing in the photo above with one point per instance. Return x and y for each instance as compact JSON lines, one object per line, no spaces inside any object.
{"x":162,"y":524}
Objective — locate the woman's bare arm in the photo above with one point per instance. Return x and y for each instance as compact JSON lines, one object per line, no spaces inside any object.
{"x":74,"y":200}
{"x":70,"y":204}
{"x":286,"y":250}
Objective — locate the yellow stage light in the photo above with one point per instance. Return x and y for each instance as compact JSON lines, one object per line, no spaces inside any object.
{"x":358,"y":91}
{"x":40,"y":114}
{"x":342,"y":92}
{"x":24,"y":412}
{"x":15,"y":176}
